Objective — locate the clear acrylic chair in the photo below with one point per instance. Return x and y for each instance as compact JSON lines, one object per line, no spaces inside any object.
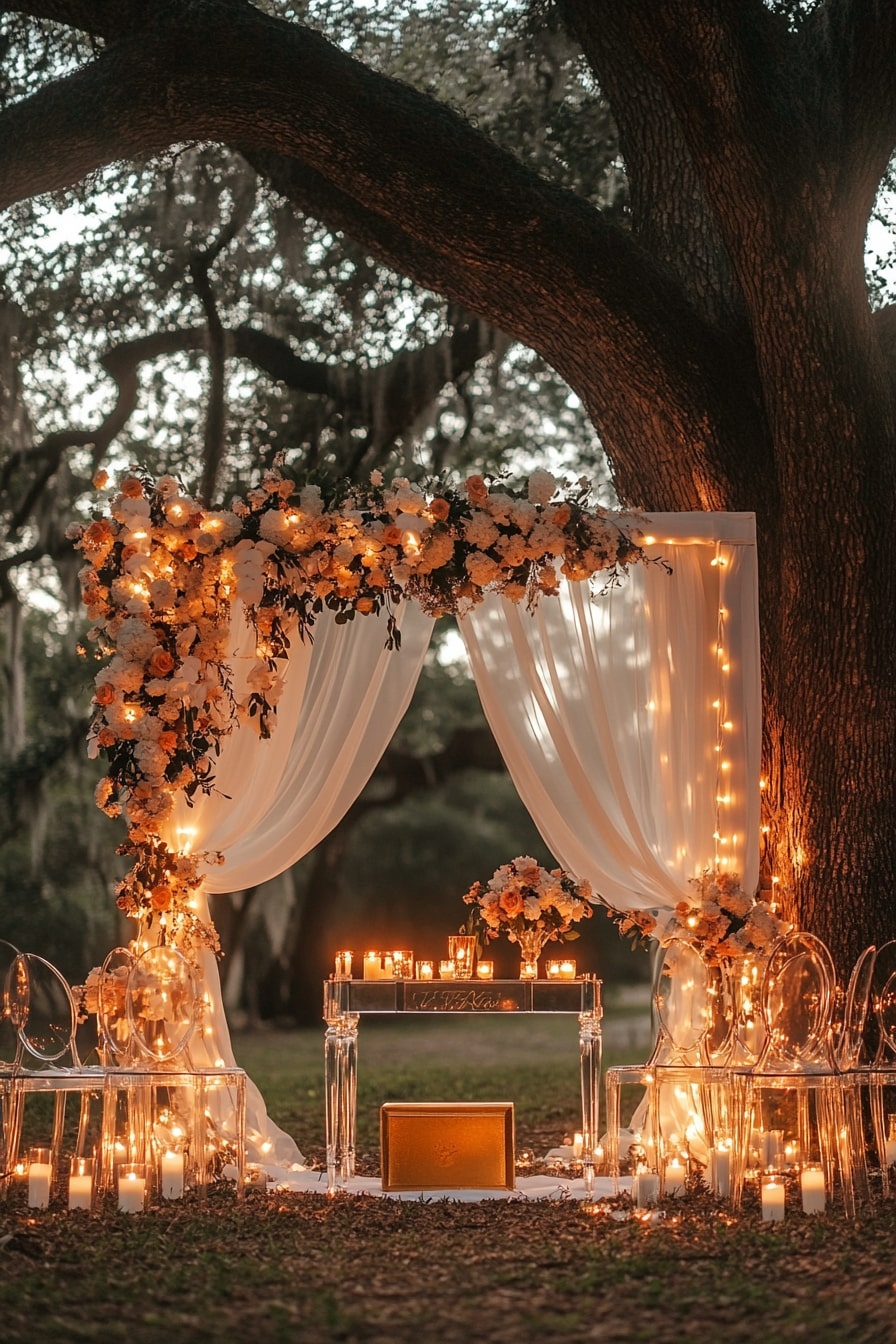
{"x":685,"y":1093}
{"x":800,"y":1107}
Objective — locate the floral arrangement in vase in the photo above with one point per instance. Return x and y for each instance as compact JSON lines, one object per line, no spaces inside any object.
{"x":531,"y":905}
{"x":721,"y":921}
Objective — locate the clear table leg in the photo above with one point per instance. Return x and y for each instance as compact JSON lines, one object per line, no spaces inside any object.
{"x":590,"y":1058}
{"x":341,"y":1075}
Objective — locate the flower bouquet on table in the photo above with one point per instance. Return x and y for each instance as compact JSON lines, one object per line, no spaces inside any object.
{"x":531,"y":905}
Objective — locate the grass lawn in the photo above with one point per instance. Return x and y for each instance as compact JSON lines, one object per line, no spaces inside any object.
{"x":305,"y":1268}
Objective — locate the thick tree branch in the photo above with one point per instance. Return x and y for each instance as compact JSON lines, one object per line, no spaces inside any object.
{"x":536,"y":260}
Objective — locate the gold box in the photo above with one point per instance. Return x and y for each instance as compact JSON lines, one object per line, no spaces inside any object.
{"x":447,"y":1145}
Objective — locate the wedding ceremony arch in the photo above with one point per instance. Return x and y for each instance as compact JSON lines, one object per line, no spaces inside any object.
{"x":257,"y":660}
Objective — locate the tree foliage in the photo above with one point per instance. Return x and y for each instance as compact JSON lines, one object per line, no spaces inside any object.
{"x":718,"y":328}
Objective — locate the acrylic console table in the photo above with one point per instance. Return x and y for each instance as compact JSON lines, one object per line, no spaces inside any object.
{"x":347,"y":1001}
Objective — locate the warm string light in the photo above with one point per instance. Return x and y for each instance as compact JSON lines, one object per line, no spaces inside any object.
{"x":724,"y":841}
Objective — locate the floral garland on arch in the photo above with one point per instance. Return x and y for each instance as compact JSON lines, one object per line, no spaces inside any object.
{"x":162,"y":570}
{"x":721,"y":921}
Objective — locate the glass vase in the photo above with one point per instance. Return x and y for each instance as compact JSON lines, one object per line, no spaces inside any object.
{"x":531,"y":942}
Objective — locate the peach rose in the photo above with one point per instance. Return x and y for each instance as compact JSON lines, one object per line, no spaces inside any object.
{"x":511,"y":902}
{"x":104,"y":694}
{"x":439,"y":509}
{"x":161,"y":663}
{"x":477,"y":490}
{"x":131,"y":487}
{"x":161,"y":897}
{"x":364,"y":605}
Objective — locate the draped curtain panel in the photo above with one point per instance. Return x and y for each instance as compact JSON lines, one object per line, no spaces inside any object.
{"x":630,"y":721}
{"x":343,"y":698}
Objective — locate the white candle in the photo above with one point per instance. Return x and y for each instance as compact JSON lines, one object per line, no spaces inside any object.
{"x":485,"y":970}
{"x":172,"y":1175}
{"x":40,"y":1175}
{"x":812,"y":1186}
{"x":674,"y":1177}
{"x":80,"y":1183}
{"x":772,"y":1202}
{"x":721,"y":1182}
{"x":131,"y":1192}
{"x":424,"y":970}
{"x":578,"y":1145}
{"x":890,"y":1151}
{"x":646,"y":1188}
{"x":377,"y":965}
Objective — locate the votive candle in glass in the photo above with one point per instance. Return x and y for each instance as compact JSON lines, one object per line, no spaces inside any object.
{"x":80,"y":1183}
{"x":462,"y":950}
{"x":812,"y":1189}
{"x":772,"y":1201}
{"x":446,"y":969}
{"x":343,"y":965}
{"x":424,"y":970}
{"x":131,"y":1187}
{"x":377,"y":965}
{"x":560,"y":968}
{"x":485,"y":970}
{"x":403,"y":965}
{"x":40,"y":1177}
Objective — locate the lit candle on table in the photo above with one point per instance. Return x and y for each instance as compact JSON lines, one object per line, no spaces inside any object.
{"x":578,"y":1145}
{"x":424,"y":970}
{"x":772,"y":1202}
{"x":131,"y":1189}
{"x":560,"y":969}
{"x":403,"y":965}
{"x":813,"y":1191}
{"x":172,"y":1175}
{"x":80,"y":1183}
{"x":377,"y":965}
{"x":343,"y":965}
{"x":674,"y":1177}
{"x":485,"y":970}
{"x":40,"y":1177}
{"x":446,"y":969}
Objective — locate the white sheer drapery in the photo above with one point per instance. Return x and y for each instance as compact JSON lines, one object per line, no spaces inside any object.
{"x":631,"y":722}
{"x":275,"y":799}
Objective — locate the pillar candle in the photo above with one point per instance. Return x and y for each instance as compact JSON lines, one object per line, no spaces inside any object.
{"x":131,"y":1190}
{"x":578,"y":1145}
{"x":424,"y":970}
{"x":772,"y":1202}
{"x":172,"y":1175}
{"x":646,"y":1188}
{"x":40,"y":1175}
{"x":80,"y":1183}
{"x":812,"y":1187}
{"x":722,"y":1172}
{"x":674,"y":1177}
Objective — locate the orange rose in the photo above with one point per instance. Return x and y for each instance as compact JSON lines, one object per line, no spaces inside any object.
{"x":392,"y":535}
{"x":363,"y":605}
{"x":511,"y":902}
{"x":104,"y":694}
{"x":477,"y":490}
{"x":97,"y":533}
{"x":561,"y":515}
{"x":131,"y":487}
{"x":161,"y":898}
{"x":105,"y":738}
{"x":439,"y":509}
{"x":161,"y":663}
